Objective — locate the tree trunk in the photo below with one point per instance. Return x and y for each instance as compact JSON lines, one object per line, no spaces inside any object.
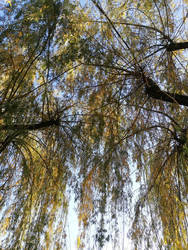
{"x":177,"y":46}
{"x":153,"y":90}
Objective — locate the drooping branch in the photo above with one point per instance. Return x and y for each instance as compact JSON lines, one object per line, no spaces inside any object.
{"x":177,"y":46}
{"x":153,"y":90}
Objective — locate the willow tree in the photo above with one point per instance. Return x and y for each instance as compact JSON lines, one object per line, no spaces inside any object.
{"x":93,"y":101}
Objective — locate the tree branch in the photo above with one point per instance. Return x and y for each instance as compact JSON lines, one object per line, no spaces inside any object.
{"x":37,"y":126}
{"x":177,"y":46}
{"x":153,"y":90}
{"x":18,"y":128}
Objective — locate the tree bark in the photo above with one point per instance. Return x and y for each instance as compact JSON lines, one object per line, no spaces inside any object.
{"x":177,"y":46}
{"x":153,"y":90}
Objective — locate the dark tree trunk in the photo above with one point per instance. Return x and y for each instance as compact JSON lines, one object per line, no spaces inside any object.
{"x":177,"y":46}
{"x":154,"y":91}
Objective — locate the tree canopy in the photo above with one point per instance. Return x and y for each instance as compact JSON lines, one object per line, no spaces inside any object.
{"x":94,"y":103}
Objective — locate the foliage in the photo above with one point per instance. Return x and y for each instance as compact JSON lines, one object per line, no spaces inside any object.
{"x":93,"y":100}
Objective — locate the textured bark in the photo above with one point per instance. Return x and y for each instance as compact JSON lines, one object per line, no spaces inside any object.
{"x":177,"y":46}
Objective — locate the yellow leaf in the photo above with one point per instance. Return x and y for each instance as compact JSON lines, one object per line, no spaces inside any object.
{"x":78,"y":241}
{"x":9,"y":2}
{"x":55,"y":171}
